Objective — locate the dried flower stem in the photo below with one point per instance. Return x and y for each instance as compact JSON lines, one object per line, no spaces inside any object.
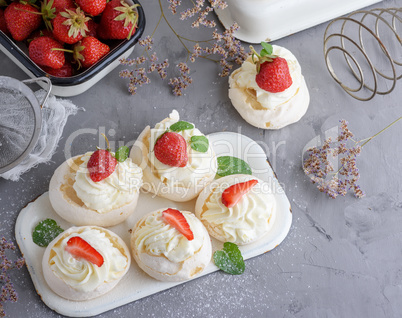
{"x":223,"y":45}
{"x":319,"y":168}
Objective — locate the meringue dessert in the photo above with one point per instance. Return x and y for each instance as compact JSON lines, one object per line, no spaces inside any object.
{"x":171,"y":245}
{"x":267,"y":109}
{"x":80,"y":200}
{"x":85,"y":262}
{"x":237,"y":208}
{"x":176,"y":159}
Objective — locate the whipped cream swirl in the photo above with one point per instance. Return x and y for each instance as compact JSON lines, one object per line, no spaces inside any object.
{"x":199,"y":163}
{"x":248,"y":220}
{"x":156,"y":237}
{"x":120,"y":188}
{"x":81,"y":274}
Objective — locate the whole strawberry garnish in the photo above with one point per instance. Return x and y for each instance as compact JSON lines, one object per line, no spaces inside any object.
{"x":70,"y":26}
{"x":171,"y":149}
{"x":45,"y":51}
{"x":22,"y":20}
{"x":101,"y":164}
{"x":272,"y":71}
{"x":232,"y":195}
{"x":176,"y":219}
{"x":118,"y":21}
{"x":80,"y":248}
{"x":92,"y":7}
{"x":89,"y":51}
{"x":65,"y":71}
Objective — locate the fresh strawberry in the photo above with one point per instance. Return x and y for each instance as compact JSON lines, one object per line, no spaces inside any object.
{"x":92,"y":7}
{"x":118,"y":21}
{"x":232,"y":195}
{"x":61,"y":5}
{"x":89,"y":51}
{"x":50,"y":9}
{"x":70,"y":26}
{"x":3,"y":24}
{"x":176,"y":219}
{"x":274,"y":76}
{"x":65,"y":71}
{"x":101,"y":164}
{"x":272,"y":71}
{"x":37,"y":33}
{"x":42,"y":52}
{"x":92,"y":27}
{"x":22,"y":20}
{"x":80,"y":248}
{"x":171,"y":149}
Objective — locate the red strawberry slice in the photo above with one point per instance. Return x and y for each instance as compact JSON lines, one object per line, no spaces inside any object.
{"x":101,"y":164}
{"x":232,"y":195}
{"x":80,"y":248}
{"x":171,"y":149}
{"x":176,"y":219}
{"x":274,"y":76}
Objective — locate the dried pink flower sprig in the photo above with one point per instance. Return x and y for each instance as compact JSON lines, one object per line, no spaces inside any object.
{"x":8,"y":292}
{"x":224,"y":46}
{"x":318,"y":164}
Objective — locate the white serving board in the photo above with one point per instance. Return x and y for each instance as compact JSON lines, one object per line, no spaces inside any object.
{"x":262,"y":20}
{"x":136,"y":284}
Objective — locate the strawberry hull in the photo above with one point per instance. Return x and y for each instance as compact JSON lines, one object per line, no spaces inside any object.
{"x":77,"y":84}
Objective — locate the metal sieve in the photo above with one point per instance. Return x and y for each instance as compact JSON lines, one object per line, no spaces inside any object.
{"x":20,"y":119}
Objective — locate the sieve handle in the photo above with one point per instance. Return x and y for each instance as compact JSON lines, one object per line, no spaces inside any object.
{"x":48,"y":89}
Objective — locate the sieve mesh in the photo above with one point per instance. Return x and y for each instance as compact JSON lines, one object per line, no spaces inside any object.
{"x":17,"y":125}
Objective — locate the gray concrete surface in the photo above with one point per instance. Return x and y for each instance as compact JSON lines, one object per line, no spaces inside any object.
{"x":341,"y":258}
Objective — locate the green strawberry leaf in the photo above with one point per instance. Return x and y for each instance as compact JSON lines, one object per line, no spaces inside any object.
{"x":181,"y":125}
{"x":122,"y":153}
{"x":230,"y":259}
{"x":267,"y":48}
{"x":199,"y":143}
{"x":45,"y":232}
{"x":228,"y":165}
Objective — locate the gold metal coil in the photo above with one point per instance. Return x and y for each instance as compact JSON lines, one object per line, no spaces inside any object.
{"x":357,"y":37}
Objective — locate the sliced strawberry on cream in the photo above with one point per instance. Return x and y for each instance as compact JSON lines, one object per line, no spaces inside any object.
{"x":235,"y":192}
{"x":80,"y":248}
{"x":176,"y":219}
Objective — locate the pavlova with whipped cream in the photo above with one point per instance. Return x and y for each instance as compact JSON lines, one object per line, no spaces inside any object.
{"x":97,"y":188}
{"x":171,"y":245}
{"x":176,"y":158}
{"x":237,"y":208}
{"x":269,"y":90}
{"x":85,"y":262}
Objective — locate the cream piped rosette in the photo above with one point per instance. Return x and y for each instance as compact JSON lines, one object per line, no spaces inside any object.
{"x":178,"y":184}
{"x":81,"y":201}
{"x":164,"y":253}
{"x":249,"y":220}
{"x":78,"y":279}
{"x":267,"y":110}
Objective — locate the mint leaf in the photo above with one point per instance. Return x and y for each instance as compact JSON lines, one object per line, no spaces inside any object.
{"x":122,"y":153}
{"x":228,"y":165}
{"x":199,"y":143}
{"x":267,"y":48}
{"x":230,"y":259}
{"x":181,"y":125}
{"x":45,"y":232}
